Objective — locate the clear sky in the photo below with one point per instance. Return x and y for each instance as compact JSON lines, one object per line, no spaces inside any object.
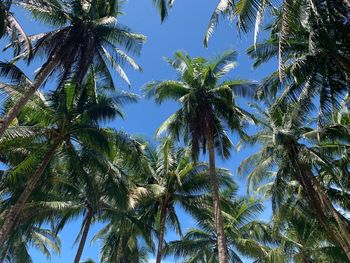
{"x":183,"y":30}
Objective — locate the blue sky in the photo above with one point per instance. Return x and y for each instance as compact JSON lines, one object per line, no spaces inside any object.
{"x":183,"y":30}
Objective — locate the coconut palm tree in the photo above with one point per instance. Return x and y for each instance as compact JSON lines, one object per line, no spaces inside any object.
{"x":97,"y":187}
{"x":326,"y":26}
{"x":82,"y":183}
{"x":176,"y":180}
{"x":244,"y":235}
{"x":311,"y":65}
{"x":127,"y":238}
{"x":282,"y":135}
{"x":69,"y":119}
{"x":207,"y":107}
{"x":128,"y":235}
{"x":88,"y":34}
{"x":29,"y":230}
{"x":300,"y":237}
{"x":17,"y":249}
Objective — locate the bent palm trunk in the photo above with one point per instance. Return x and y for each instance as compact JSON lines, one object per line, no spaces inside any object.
{"x":163,"y":215}
{"x":27,"y":95}
{"x":221,"y":240}
{"x":15,"y":211}
{"x":87,"y":225}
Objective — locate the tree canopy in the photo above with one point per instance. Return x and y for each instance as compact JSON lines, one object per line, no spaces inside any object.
{"x":65,"y":157}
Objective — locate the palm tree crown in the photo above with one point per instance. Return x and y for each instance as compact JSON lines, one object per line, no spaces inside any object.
{"x":89,"y":33}
{"x":207,"y":105}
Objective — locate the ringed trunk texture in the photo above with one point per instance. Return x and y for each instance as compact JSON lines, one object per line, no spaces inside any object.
{"x":163,"y":214}
{"x":82,"y":242}
{"x":7,"y":119}
{"x":323,"y":207}
{"x":15,"y":210}
{"x":120,"y":242}
{"x":221,"y":240}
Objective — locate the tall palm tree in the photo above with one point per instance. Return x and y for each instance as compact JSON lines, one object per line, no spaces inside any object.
{"x":34,"y":228}
{"x":70,"y":119}
{"x":177,"y":181}
{"x":301,"y":238}
{"x":17,"y":249}
{"x":282,"y":135}
{"x":99,"y":187}
{"x":83,"y":183}
{"x":326,"y":25}
{"x":128,"y":235}
{"x":126,"y":238}
{"x":88,"y":34}
{"x":207,"y":107}
{"x":311,"y":67}
{"x":242,"y":232}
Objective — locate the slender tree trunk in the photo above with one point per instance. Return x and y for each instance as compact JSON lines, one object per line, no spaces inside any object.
{"x":221,"y":240}
{"x":323,"y":207}
{"x":15,"y":210}
{"x":27,"y":95}
{"x":82,"y":242}
{"x":118,"y":256}
{"x":339,"y":233}
{"x":163,"y":214}
{"x":335,"y":214}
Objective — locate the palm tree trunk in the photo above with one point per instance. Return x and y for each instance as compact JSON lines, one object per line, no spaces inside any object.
{"x":15,"y":211}
{"x":335,"y":214}
{"x":87,"y":225}
{"x":163,"y":214}
{"x":27,"y":95}
{"x":323,"y":207}
{"x":221,"y":240}
{"x":118,"y":257}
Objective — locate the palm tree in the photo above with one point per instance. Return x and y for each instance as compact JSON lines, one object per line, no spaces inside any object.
{"x":83,"y":183}
{"x":176,"y":181}
{"x":127,"y":238}
{"x":207,"y":107}
{"x":17,"y":249}
{"x":326,"y":26}
{"x":282,"y":136}
{"x":314,"y":74}
{"x":301,"y":238}
{"x":97,"y":187}
{"x":70,"y":119}
{"x":29,"y":231}
{"x":243,"y":233}
{"x":88,"y":34}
